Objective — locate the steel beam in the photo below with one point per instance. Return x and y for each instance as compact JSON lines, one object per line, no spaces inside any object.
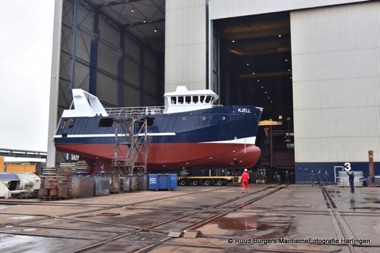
{"x":141,"y":79}
{"x":73,"y":47}
{"x":94,"y":53}
{"x":115,"y":2}
{"x":120,"y":68}
{"x":22,"y":153}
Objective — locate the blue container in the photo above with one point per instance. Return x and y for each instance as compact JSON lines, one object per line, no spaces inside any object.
{"x":173,"y":181}
{"x":153,"y":182}
{"x":162,"y":181}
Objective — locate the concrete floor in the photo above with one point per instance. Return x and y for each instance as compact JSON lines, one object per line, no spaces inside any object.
{"x":270,"y":218}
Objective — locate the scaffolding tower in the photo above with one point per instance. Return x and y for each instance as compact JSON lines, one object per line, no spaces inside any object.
{"x":133,"y":135}
{"x":267,"y":148}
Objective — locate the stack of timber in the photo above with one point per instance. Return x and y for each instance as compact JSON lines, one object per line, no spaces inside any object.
{"x":74,"y":168}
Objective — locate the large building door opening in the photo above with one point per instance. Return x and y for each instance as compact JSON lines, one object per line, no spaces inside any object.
{"x":255,"y":68}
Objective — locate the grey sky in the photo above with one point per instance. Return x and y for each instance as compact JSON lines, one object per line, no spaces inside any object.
{"x":26,"y":28}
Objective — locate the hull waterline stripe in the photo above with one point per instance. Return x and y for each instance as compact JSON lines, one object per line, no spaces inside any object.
{"x":109,"y":135}
{"x":248,"y":140}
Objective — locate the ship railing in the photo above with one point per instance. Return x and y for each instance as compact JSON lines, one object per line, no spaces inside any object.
{"x":123,"y":112}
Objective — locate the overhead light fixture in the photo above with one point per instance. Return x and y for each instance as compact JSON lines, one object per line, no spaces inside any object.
{"x":144,"y":21}
{"x":279,"y":35}
{"x":265,"y":92}
{"x":258,"y":80}
{"x":262,"y":86}
{"x":155,"y":30}
{"x":288,"y":69}
{"x":286,"y":59}
{"x":233,"y":41}
{"x":132,"y":10}
{"x":253,"y":73}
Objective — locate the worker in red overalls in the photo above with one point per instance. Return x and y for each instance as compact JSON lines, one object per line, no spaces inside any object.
{"x":244,"y":181}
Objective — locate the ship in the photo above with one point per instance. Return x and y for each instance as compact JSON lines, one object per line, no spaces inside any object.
{"x":190,"y":131}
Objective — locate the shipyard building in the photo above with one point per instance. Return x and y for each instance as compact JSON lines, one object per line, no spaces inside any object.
{"x":313,"y":66}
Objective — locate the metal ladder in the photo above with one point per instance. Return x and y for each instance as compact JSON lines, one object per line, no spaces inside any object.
{"x":137,"y":142}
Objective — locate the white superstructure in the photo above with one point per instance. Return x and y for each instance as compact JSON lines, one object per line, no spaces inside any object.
{"x":183,"y":100}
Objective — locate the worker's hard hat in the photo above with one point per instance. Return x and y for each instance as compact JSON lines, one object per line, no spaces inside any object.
{"x":245,"y":169}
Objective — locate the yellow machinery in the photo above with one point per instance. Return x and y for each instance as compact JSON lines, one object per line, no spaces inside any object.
{"x":20,"y":167}
{"x":208,"y":180}
{"x":2,"y":169}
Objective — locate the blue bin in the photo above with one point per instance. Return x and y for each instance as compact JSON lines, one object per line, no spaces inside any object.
{"x":162,"y":181}
{"x":153,"y":182}
{"x":173,"y":181}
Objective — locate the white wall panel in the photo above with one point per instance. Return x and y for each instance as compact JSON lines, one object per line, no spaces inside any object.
{"x":106,"y":90}
{"x":108,"y":34}
{"x":107,"y":48}
{"x":336,"y":82}
{"x":236,"y":8}
{"x":84,"y":33}
{"x":107,"y":59}
{"x":185,"y":44}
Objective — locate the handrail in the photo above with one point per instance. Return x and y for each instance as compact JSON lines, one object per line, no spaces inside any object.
{"x":122,"y":112}
{"x":135,"y":111}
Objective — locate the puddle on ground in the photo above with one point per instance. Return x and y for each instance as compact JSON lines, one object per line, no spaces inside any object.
{"x":260,"y":226}
{"x":352,"y":204}
{"x":373,"y":200}
{"x":84,"y":216}
{"x":364,"y":204}
{"x":21,"y":217}
{"x":3,"y":207}
{"x":29,"y":229}
{"x":334,"y":193}
{"x":373,"y":209}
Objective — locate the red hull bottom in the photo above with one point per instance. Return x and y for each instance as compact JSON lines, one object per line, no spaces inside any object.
{"x":175,"y":155}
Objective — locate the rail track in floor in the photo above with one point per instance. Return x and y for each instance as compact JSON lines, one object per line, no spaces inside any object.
{"x":211,"y":212}
{"x":187,"y":218}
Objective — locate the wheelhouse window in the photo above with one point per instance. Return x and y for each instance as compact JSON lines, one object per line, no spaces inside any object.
{"x":180,"y":100}
{"x":106,"y":122}
{"x":149,"y":121}
{"x":68,"y":123}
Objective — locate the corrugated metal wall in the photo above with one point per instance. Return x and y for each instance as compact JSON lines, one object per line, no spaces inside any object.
{"x":236,"y":8}
{"x":336,"y":82}
{"x":185,"y":44}
{"x":107,"y":61}
{"x":108,"y":54}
